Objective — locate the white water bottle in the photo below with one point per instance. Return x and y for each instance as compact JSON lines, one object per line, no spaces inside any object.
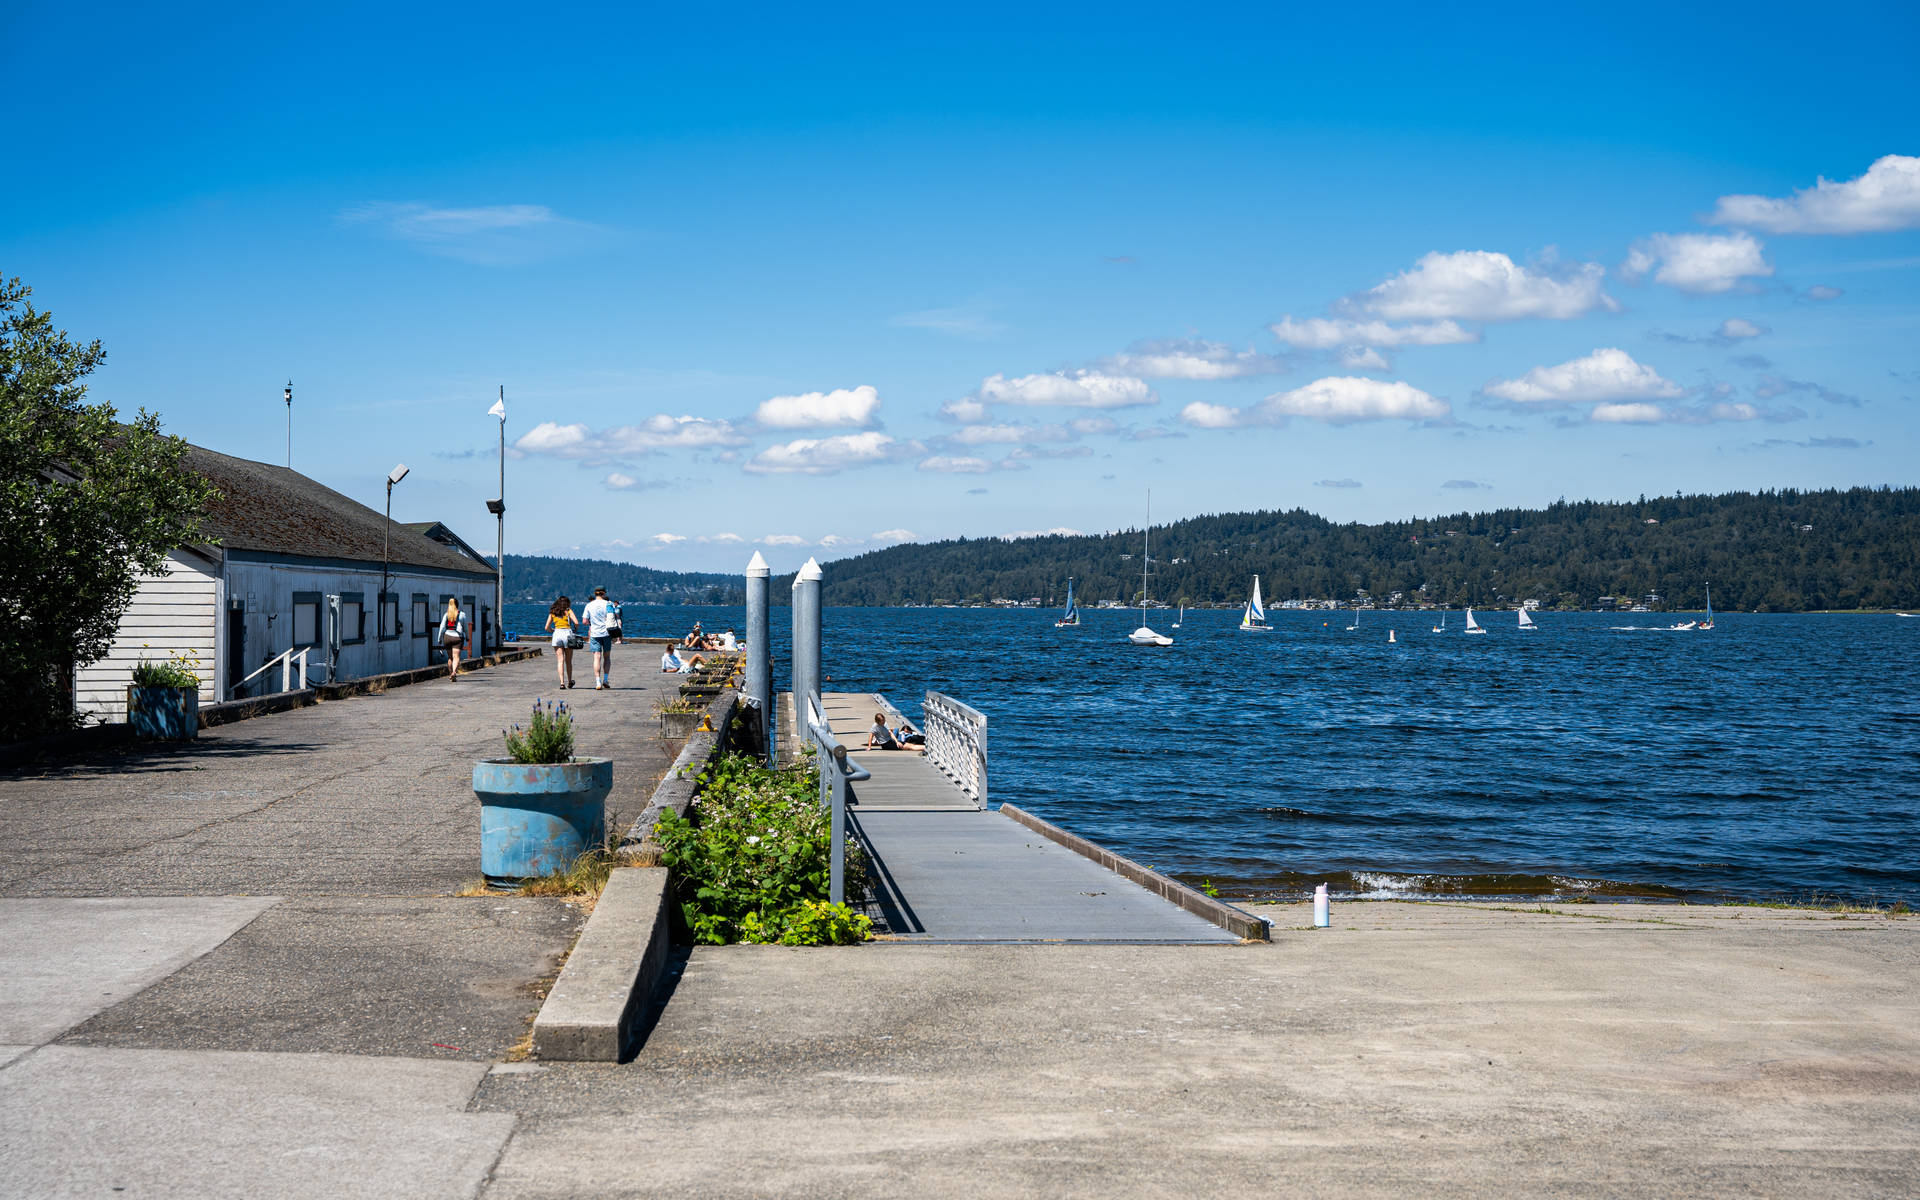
{"x":1322,"y":916}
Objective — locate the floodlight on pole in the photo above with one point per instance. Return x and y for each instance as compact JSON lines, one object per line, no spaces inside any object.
{"x":394,"y":476}
{"x":288,"y":397}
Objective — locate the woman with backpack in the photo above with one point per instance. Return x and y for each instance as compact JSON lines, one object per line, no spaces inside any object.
{"x":562,"y":622}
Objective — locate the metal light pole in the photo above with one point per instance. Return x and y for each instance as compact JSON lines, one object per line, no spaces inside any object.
{"x":498,"y":507}
{"x":288,"y":396}
{"x":394,"y":476}
{"x":760,"y":651}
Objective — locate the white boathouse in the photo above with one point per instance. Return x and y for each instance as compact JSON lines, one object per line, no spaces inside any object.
{"x":297,"y":566}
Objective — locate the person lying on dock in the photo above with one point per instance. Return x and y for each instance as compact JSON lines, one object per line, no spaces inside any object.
{"x":882,"y":738}
{"x":909,"y":736}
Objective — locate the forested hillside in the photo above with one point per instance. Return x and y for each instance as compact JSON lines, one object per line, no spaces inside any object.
{"x":1773,"y":551}
{"x":538,"y":580}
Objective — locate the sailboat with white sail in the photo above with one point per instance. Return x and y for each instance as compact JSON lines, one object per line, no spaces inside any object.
{"x":1145,"y":635}
{"x":1181,"y":617}
{"x":1708,"y":623}
{"x":1442,"y":626}
{"x":1254,"y":619}
{"x":1356,"y":617}
{"x":1526,"y":621}
{"x":1473,"y":626}
{"x":1069,"y":619}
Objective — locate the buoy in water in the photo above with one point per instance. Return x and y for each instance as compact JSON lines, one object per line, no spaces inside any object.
{"x":1390,"y":637}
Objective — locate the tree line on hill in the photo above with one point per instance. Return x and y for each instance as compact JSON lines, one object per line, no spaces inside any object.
{"x":533,"y":579}
{"x":1770,"y":551}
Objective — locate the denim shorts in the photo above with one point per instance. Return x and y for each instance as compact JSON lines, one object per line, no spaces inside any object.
{"x":602,"y":644}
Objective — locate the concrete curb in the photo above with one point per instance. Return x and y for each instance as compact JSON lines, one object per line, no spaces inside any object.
{"x":1226,"y":916}
{"x":682,"y":782}
{"x":601,"y":993}
{"x":600,"y":997}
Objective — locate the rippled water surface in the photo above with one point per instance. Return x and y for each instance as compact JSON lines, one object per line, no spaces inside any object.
{"x":1772,"y":756}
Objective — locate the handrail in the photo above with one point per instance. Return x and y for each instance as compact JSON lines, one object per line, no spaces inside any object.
{"x":285,"y":660}
{"x":836,"y":771}
{"x":957,"y":743}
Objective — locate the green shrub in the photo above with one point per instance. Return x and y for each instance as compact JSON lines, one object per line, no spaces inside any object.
{"x":547,"y":738}
{"x":180,"y":671}
{"x":752,"y":863}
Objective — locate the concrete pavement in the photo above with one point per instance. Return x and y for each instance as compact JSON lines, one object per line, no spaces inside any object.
{"x":1603,"y":1050}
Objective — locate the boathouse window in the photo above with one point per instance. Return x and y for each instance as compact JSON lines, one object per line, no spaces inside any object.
{"x":306,"y":618}
{"x":389,"y":616}
{"x":420,"y":618}
{"x":353,"y":618}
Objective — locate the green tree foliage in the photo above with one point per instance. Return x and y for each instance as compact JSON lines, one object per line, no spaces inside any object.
{"x":87,"y":504}
{"x":1778,"y":551}
{"x":535,"y":580}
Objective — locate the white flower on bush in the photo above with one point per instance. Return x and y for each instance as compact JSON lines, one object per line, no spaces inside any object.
{"x":753,"y":841}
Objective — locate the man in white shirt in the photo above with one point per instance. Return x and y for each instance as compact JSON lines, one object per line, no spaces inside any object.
{"x":599,"y":615}
{"x":670,"y":662}
{"x":728,"y":641}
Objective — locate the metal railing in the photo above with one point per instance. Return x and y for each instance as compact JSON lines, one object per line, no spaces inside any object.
{"x":957,"y":743}
{"x":836,"y":772}
{"x":288,"y":661}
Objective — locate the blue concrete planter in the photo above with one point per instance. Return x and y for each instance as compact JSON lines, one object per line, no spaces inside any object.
{"x":536,"y":818}
{"x":167,"y":714}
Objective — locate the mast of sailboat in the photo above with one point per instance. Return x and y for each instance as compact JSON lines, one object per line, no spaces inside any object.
{"x":1146,"y":543}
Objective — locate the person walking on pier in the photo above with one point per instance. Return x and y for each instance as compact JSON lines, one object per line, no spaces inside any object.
{"x":453,"y":636}
{"x":562,"y":621}
{"x":603,"y":629}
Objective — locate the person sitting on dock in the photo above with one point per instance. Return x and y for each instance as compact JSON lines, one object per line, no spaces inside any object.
{"x":728,"y":641}
{"x":670,"y":662}
{"x":880,"y":737}
{"x":694,"y":637}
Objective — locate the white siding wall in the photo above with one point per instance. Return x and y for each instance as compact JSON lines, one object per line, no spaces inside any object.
{"x":173,"y":611}
{"x":267,"y":590}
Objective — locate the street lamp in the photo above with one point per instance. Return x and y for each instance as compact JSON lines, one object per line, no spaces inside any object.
{"x":288,"y":397}
{"x":394,"y":476}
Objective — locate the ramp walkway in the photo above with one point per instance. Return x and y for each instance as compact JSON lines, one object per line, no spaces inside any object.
{"x":947,"y":870}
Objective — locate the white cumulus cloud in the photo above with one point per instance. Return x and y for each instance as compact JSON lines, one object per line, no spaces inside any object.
{"x":894,"y":535}
{"x":956,"y":464}
{"x":825,"y":456}
{"x":1605,"y":375}
{"x":1635,"y":413}
{"x":664,"y":540}
{"x":1363,"y":358}
{"x":1327,"y":333}
{"x":967,"y":410}
{"x":655,"y":435}
{"x":1735,"y":329}
{"x":619,"y":481}
{"x":783,"y":539}
{"x":1011,"y":435}
{"x":1702,"y":263}
{"x":1337,"y":400}
{"x":1067,"y":389}
{"x":1190,"y":358}
{"x":1886,"y":198}
{"x":1483,"y":285}
{"x":842,"y":408}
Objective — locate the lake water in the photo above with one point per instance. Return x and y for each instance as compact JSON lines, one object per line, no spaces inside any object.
{"x":1775,"y":756}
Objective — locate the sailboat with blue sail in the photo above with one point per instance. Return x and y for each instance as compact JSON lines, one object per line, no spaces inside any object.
{"x":1069,"y":619}
{"x":1254,"y":620}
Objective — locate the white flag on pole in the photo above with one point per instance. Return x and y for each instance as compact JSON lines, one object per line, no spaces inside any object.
{"x":499,"y":409}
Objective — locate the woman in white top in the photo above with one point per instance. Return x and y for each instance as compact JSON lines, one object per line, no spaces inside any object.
{"x":453,"y":635}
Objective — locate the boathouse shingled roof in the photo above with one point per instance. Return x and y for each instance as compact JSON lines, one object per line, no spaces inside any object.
{"x":276,"y":510}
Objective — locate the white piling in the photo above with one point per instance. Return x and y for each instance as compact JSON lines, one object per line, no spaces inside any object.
{"x":1322,"y":914}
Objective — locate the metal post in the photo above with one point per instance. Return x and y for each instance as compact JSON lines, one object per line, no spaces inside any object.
{"x":289,"y":399}
{"x":837,"y":870}
{"x":500,"y":534}
{"x":806,"y":639}
{"x":759,"y":651}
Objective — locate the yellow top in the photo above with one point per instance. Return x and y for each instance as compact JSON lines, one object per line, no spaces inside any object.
{"x":563,"y":622}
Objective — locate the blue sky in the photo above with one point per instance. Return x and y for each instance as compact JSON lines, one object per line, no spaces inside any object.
{"x":816,"y":285}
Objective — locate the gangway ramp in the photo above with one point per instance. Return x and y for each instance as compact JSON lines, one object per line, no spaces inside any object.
{"x":947,"y":870}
